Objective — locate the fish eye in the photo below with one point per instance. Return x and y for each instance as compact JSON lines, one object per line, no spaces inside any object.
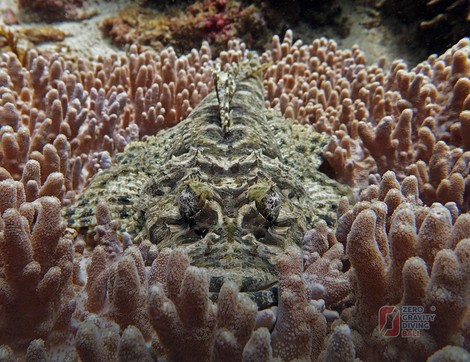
{"x":269,"y":206}
{"x":189,"y":203}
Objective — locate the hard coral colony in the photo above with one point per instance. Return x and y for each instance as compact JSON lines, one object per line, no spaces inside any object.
{"x":401,"y":136}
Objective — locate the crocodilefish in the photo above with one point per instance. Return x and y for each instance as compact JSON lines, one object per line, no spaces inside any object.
{"x":233,"y":185}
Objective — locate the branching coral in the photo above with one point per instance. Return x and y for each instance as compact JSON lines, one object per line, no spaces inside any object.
{"x":59,"y":114}
{"x":419,"y":256}
{"x":300,"y":327}
{"x":36,"y":290}
{"x":410,"y":121}
{"x":201,"y":330}
{"x":323,"y":265}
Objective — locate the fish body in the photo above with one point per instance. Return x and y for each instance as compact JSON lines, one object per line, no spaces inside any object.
{"x":234,"y":185}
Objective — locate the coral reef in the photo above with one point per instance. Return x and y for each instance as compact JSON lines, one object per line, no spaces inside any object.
{"x":53,"y":10}
{"x":98,"y":116}
{"x":46,"y":33}
{"x":404,"y":243}
{"x":411,"y":121}
{"x":215,"y":21}
{"x":9,"y":41}
{"x":419,"y":256}
{"x":36,"y":294}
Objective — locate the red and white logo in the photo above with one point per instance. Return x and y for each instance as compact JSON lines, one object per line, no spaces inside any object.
{"x":389,"y":321}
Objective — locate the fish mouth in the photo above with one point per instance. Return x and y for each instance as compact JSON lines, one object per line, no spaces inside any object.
{"x":239,"y":258}
{"x":259,"y":283}
{"x":264,"y":295}
{"x":252,"y":270}
{"x":263,"y":298}
{"x":248,"y":280}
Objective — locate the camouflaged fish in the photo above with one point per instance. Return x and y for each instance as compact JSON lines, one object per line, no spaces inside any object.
{"x":234,"y":184}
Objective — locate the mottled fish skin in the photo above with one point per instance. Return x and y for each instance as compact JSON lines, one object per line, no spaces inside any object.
{"x":234,"y":184}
